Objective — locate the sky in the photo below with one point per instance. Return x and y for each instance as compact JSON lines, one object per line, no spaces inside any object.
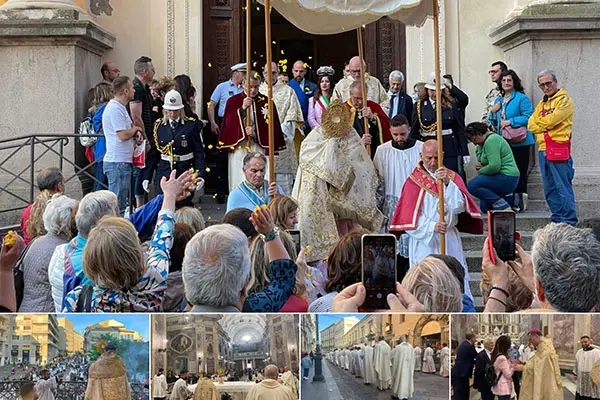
{"x":136,"y":322}
{"x":326,"y":320}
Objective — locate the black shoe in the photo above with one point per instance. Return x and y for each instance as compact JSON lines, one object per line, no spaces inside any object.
{"x":221,"y":199}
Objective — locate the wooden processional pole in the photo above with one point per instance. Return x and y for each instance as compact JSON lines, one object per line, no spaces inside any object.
{"x":270,"y":91}
{"x":438,"y":110}
{"x":248,"y":64}
{"x":363,"y":83}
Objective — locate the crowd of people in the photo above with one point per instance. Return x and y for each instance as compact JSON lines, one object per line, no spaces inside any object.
{"x":385,"y":367}
{"x":110,"y":252}
{"x":505,"y":371}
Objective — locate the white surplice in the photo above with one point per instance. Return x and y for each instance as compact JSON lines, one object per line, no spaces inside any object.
{"x":358,"y":365}
{"x":428,"y":364}
{"x":382,"y":358}
{"x":584,"y":361}
{"x":347,"y":359}
{"x":393,"y":167}
{"x":424,"y":241}
{"x":369,"y":371}
{"x":418,"y":359}
{"x":45,"y":388}
{"x":445,"y":362}
{"x":403,"y":371}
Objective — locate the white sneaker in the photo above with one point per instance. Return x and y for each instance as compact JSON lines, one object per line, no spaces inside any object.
{"x":305,"y":378}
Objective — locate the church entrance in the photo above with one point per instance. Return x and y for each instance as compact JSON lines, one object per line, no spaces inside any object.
{"x":290,"y":44}
{"x":224,"y":44}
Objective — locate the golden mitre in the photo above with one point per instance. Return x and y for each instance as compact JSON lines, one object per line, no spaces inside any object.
{"x":107,"y":378}
{"x":336,"y":119}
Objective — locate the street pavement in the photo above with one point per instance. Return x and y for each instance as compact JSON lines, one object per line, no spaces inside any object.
{"x":569,"y":389}
{"x":339,"y":384}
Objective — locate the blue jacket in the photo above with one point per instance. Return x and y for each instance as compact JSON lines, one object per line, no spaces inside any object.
{"x":306,"y":362}
{"x":100,"y":146}
{"x":304,"y":93}
{"x":465,"y":360}
{"x":518,"y":109}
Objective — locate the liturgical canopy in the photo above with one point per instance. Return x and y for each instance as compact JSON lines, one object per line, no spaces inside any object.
{"x":327,"y":17}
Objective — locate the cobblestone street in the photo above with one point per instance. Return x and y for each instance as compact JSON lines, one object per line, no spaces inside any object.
{"x":339,"y":384}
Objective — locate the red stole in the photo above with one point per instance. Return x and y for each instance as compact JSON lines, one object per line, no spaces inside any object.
{"x":406,"y":216}
{"x":383,"y":121}
{"x":233,"y":131}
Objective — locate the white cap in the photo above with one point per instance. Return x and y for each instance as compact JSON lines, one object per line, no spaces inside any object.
{"x":239,"y":67}
{"x":430,"y":84}
{"x":173,"y":101}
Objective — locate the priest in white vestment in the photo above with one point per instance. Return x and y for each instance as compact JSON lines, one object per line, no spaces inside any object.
{"x":417,"y":212}
{"x":367,"y":358}
{"x":375,"y":90}
{"x":394,"y":161}
{"x":418,"y":358}
{"x":382,"y":359}
{"x":347,"y":359}
{"x":291,"y":119}
{"x":46,"y":387}
{"x":403,"y":370}
{"x":336,"y":184}
{"x":585,"y":359}
{"x":428,"y":363}
{"x":358,"y":365}
{"x":445,"y":361}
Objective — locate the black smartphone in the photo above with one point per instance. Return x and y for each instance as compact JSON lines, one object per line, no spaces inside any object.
{"x":502,"y":229}
{"x":378,"y":269}
{"x":295,"y":234}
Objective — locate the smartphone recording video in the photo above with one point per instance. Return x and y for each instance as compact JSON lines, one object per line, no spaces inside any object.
{"x":502,"y":230}
{"x":295,"y":234}
{"x":378,"y":269}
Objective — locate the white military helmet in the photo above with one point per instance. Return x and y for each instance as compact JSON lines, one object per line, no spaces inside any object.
{"x":173,"y":101}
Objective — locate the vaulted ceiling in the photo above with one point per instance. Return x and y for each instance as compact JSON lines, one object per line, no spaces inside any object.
{"x":243,"y":326}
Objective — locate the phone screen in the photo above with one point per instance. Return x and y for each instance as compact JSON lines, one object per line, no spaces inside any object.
{"x":295,"y":234}
{"x":378,"y":269}
{"x":503,"y":234}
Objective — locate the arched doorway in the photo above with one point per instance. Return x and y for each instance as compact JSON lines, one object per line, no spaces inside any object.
{"x":429,"y":323}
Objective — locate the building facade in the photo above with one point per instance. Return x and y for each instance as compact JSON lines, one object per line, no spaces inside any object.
{"x":332,"y":337}
{"x":74,"y":340}
{"x":308,"y":333}
{"x":93,"y":333}
{"x":44,"y":330}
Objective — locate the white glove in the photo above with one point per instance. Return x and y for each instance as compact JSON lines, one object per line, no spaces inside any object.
{"x":146,"y":185}
{"x":466,"y":159}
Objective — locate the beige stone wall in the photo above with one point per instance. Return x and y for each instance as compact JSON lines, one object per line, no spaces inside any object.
{"x":168,"y":31}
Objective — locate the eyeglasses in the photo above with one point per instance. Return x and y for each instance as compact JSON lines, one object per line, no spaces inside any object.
{"x":545,"y":84}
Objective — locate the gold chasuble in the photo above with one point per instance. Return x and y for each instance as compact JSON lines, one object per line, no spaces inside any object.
{"x":336,"y":181}
{"x":107,"y":379}
{"x":541,"y":377}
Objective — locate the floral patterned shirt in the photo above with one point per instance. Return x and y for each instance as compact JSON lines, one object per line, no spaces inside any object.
{"x":148,"y":294}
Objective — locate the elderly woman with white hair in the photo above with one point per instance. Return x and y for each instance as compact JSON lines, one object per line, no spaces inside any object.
{"x":216,"y":269}
{"x":563,"y":271}
{"x":37,"y":292}
{"x":125,"y":278}
{"x":66,"y":266}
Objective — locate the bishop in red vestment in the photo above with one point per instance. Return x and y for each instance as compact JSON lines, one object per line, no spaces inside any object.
{"x":379,"y":122}
{"x":237,"y":139}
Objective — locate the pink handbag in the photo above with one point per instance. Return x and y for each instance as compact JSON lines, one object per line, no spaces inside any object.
{"x":514,"y":135}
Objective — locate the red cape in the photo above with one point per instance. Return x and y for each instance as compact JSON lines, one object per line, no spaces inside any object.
{"x":383,"y":121}
{"x":233,"y":132}
{"x":406,"y":216}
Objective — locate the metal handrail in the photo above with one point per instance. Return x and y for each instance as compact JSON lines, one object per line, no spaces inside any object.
{"x":38,"y":146}
{"x":66,"y":390}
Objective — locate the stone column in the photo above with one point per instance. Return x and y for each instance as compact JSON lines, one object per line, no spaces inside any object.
{"x":50,"y":54}
{"x":564,"y":37}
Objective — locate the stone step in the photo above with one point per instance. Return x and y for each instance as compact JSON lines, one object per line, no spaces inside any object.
{"x":474,"y":284}
{"x":583,"y":190}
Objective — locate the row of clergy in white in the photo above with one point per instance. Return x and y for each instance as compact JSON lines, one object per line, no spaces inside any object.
{"x":390,"y":368}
